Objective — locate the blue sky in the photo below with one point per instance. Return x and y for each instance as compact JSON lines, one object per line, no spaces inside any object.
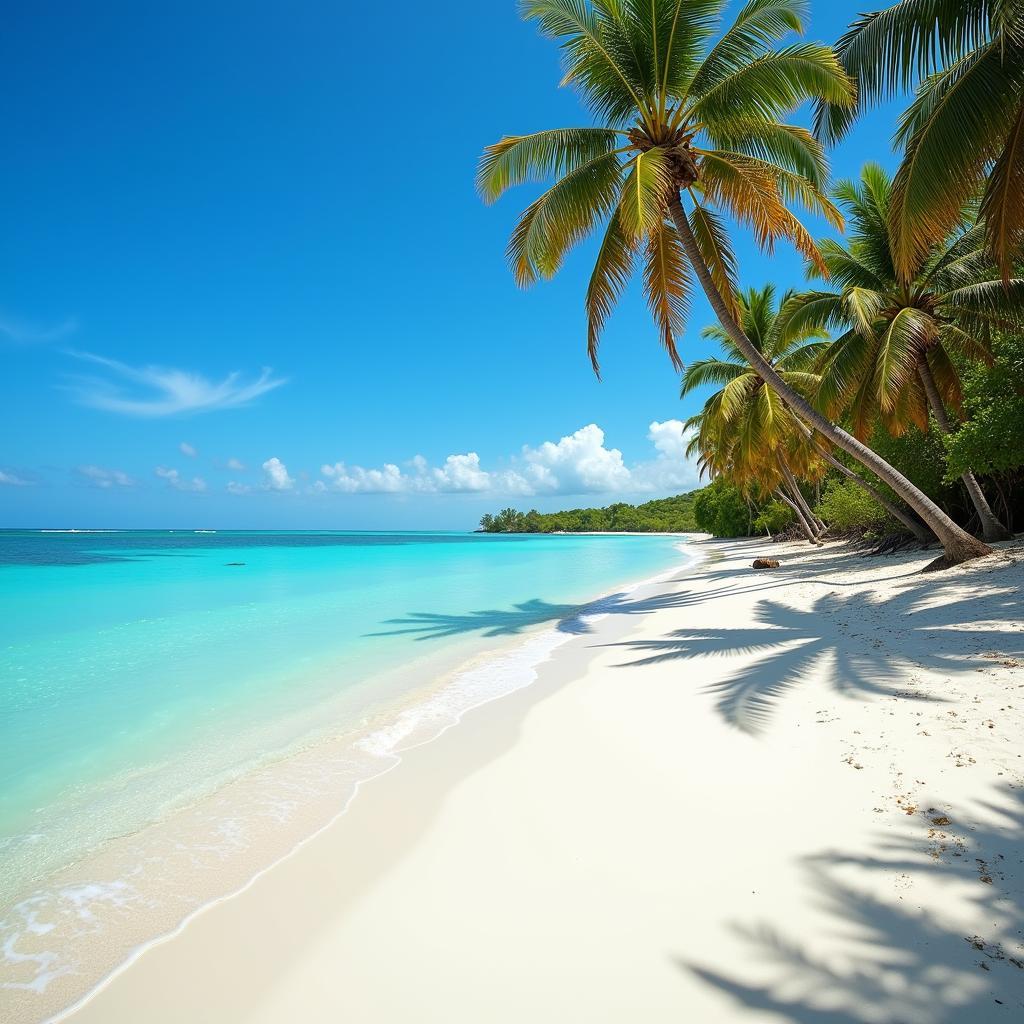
{"x":244,"y":271}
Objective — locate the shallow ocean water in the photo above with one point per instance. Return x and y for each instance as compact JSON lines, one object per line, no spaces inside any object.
{"x":150,"y":676}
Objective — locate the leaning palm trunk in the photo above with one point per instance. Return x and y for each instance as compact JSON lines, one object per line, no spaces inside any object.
{"x":915,"y":526}
{"x":918,"y":529}
{"x":958,"y":544}
{"x":817,"y":524}
{"x":805,"y":527}
{"x":991,"y":528}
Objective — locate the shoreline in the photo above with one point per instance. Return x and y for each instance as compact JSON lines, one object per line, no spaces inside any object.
{"x":590,"y":610}
{"x":500,"y":852}
{"x":414,"y":717}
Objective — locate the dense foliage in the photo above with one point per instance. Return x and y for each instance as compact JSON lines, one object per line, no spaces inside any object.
{"x":666,"y":515}
{"x":844,"y":506}
{"x":721,"y":510}
{"x":991,"y":439}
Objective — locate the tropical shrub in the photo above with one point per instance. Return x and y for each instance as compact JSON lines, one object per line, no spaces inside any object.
{"x":845,"y":506}
{"x":773,"y":518}
{"x":721,"y":510}
{"x":992,"y":437}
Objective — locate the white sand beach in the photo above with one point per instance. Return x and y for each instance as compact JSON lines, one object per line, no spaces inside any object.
{"x":789,"y":795}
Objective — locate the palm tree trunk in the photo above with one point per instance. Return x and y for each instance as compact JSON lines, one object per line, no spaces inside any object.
{"x":958,"y":544}
{"x":915,"y":526}
{"x":991,"y":528}
{"x":805,"y":527}
{"x":817,"y":524}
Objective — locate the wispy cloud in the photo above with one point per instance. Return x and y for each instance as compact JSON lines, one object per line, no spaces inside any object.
{"x":186,"y":449}
{"x":23,"y":332}
{"x":153,"y":391}
{"x":100,"y":476}
{"x":236,"y":464}
{"x":8,"y":479}
{"x":174,"y":479}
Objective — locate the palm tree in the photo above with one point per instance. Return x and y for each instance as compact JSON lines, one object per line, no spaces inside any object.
{"x":760,"y":437}
{"x":965,"y":129}
{"x":716,"y":444}
{"x":896,"y":359}
{"x":682,"y":116}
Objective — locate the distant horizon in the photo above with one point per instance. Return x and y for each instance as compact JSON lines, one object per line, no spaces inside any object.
{"x":524,"y":506}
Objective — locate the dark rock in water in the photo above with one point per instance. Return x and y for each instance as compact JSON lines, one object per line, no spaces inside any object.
{"x":234,"y":563}
{"x":766,"y":563}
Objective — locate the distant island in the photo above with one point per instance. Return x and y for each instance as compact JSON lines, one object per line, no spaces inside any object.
{"x":666,"y":515}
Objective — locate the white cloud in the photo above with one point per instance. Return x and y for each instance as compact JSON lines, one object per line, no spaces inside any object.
{"x":236,"y":464}
{"x":277,"y":475}
{"x":386,"y":480}
{"x":186,"y":449}
{"x":234,"y":487}
{"x":13,"y":480}
{"x":100,"y":476}
{"x":174,"y":479}
{"x":164,"y":391}
{"x":579,"y":463}
{"x":671,"y":470}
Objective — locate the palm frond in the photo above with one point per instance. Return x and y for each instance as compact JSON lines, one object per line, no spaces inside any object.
{"x":566,"y":213}
{"x":747,"y":189}
{"x":814,"y":310}
{"x":846,"y":365}
{"x":994,"y":303}
{"x":955,"y":127}
{"x":667,"y":284}
{"x":887,"y":51}
{"x":644,"y":193}
{"x":604,"y":81}
{"x":946,"y":378}
{"x":706,"y":372}
{"x":775,"y":84}
{"x":787,"y":146}
{"x":758,"y":25}
{"x":1002,"y":207}
{"x":672,"y":34}
{"x":612,"y":270}
{"x":901,"y":346}
{"x":516,"y":159}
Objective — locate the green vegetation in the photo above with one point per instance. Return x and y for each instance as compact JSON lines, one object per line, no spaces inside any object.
{"x":991,"y":438}
{"x":666,"y":515}
{"x":844,"y":506}
{"x":894,"y":359}
{"x":722,"y":511}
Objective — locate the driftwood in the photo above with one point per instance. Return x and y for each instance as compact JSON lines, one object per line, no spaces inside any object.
{"x":766,"y":563}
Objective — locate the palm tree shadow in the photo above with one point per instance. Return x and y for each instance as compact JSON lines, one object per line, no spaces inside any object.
{"x":899,"y":963}
{"x":495,"y":622}
{"x":869,"y":648}
{"x":491,"y":622}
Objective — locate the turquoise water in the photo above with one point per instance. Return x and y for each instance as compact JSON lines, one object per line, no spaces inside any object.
{"x":141,"y":671}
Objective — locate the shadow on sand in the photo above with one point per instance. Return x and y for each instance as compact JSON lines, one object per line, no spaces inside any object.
{"x":872,"y":646}
{"x":901,"y":962}
{"x":494,"y":622}
{"x":861,"y":635}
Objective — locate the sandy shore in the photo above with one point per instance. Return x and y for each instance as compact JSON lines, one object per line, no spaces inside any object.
{"x":793,"y":795}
